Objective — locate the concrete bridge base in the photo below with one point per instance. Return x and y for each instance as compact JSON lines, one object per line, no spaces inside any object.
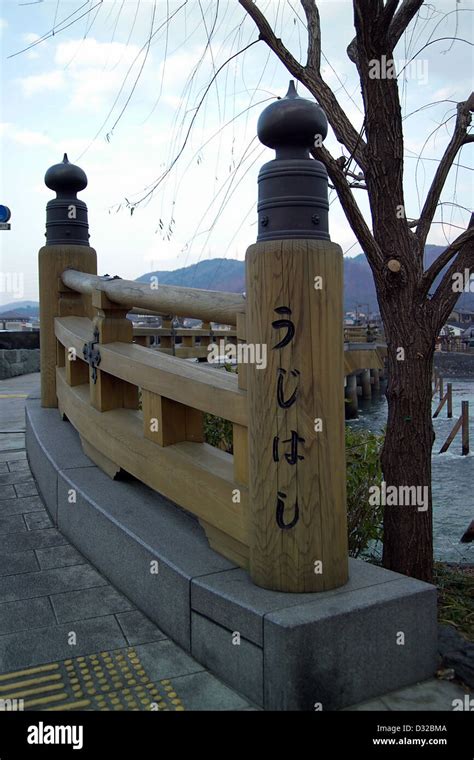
{"x":283,"y":651}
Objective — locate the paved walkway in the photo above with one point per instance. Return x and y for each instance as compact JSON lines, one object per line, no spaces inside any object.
{"x":70,"y":640}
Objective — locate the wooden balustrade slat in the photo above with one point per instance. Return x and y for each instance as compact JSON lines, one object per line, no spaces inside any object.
{"x":196,"y":476}
{"x":204,"y":389}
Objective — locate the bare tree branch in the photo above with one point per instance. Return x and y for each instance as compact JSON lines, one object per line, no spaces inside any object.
{"x":458,"y":138}
{"x":399,"y":23}
{"x":407,"y":10}
{"x":311,"y":78}
{"x":443,"y":259}
{"x":384,"y":135}
{"x":314,"y":34}
{"x":445,"y":297}
{"x":274,"y":43}
{"x":388,"y":12}
{"x":350,"y":207}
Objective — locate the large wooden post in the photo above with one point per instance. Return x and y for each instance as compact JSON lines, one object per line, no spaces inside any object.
{"x":67,"y":247}
{"x":298,"y":534}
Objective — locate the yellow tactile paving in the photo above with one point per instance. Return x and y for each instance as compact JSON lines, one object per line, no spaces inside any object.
{"x":104,"y":681}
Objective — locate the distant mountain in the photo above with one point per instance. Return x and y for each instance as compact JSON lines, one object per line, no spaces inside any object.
{"x":23,"y":308}
{"x":20,"y":310}
{"x":211,"y":274}
{"x":229,"y":275}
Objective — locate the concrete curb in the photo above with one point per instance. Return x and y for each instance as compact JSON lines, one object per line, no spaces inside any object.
{"x":283,"y":651}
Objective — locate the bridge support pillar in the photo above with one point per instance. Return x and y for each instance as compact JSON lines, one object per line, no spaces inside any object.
{"x":351,"y":397}
{"x":365,"y":385}
{"x":375,"y":374}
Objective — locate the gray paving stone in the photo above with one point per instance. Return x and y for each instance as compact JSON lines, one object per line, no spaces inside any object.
{"x":7,"y":492}
{"x":36,"y":539}
{"x":59,"y":556}
{"x":44,"y":582}
{"x":4,"y":467}
{"x":26,"y":614}
{"x":163,"y":659}
{"x":26,"y":489}
{"x":50,"y":644}
{"x":38,"y":521}
{"x":14,"y":477}
{"x":53,"y":445}
{"x":20,"y":506}
{"x":119,"y":519}
{"x":433,"y":695}
{"x":12,"y":524}
{"x":12,"y":456}
{"x":373,"y":705}
{"x":238,"y":664}
{"x":89,"y":603}
{"x":11,"y":442}
{"x":18,"y":562}
{"x":138,"y":629}
{"x":202,"y":691}
{"x":231,"y":599}
{"x":18,"y":465}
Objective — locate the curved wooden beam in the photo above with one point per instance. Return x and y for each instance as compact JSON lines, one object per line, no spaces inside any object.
{"x":208,"y":305}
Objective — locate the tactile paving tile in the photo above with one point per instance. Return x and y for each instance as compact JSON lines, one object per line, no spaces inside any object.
{"x":104,"y":681}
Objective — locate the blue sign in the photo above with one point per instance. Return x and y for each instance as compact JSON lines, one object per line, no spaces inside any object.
{"x":5,"y":214}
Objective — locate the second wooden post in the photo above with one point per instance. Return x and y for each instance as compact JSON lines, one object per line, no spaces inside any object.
{"x":298,"y":530}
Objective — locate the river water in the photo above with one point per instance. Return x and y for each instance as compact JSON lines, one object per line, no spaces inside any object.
{"x":453,"y":474}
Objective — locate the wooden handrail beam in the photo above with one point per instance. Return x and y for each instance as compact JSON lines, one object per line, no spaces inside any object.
{"x":209,"y":305}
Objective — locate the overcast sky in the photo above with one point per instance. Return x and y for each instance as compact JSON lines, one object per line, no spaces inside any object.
{"x":75,"y":92}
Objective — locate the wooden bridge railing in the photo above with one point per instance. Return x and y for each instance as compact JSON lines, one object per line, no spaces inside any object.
{"x":185,"y":342}
{"x":100,"y":376}
{"x":277,"y":506}
{"x":362,"y":334}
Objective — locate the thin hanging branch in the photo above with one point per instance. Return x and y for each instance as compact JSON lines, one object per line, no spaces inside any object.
{"x":444,"y":300}
{"x":311,"y":78}
{"x":459,"y":138}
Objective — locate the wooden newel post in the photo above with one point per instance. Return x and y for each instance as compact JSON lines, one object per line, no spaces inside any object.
{"x":298,"y":528}
{"x":67,"y":247}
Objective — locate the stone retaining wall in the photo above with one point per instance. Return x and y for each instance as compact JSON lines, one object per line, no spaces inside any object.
{"x":20,"y":361}
{"x":451,"y":364}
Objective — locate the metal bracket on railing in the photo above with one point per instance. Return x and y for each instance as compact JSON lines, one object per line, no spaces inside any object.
{"x":92,"y":354}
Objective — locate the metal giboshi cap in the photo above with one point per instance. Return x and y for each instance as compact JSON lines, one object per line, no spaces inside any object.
{"x":293,"y":188}
{"x":66,"y":216}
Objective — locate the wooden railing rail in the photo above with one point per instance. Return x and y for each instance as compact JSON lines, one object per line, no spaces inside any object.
{"x":208,"y":305}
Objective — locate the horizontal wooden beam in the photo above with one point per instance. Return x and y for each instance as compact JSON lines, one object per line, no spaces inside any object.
{"x":204,"y":389}
{"x":209,"y":305}
{"x":219,"y":332}
{"x":196,"y":476}
{"x":359,"y":359}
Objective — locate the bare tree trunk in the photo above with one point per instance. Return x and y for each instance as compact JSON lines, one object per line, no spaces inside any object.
{"x":406,"y":455}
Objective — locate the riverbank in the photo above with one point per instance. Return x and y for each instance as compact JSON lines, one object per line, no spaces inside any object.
{"x":451,"y":364}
